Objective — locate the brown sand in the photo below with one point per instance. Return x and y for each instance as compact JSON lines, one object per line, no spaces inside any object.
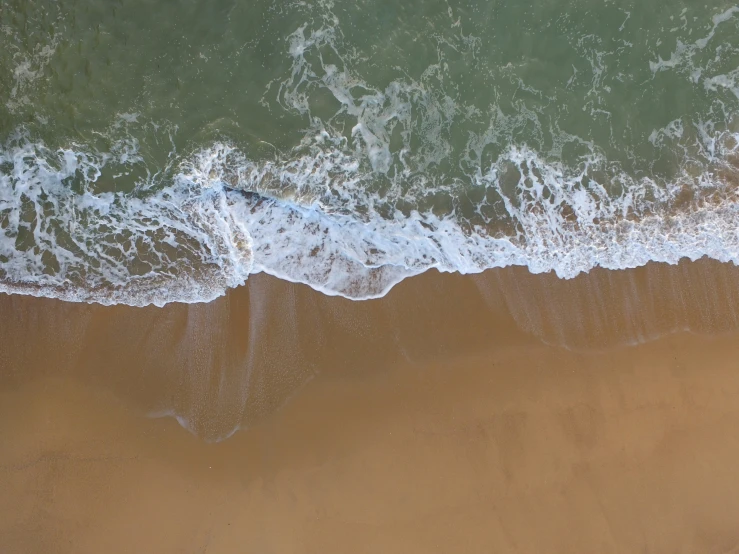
{"x":497,"y":413}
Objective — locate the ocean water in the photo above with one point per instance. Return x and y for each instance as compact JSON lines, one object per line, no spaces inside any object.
{"x":155,"y":151}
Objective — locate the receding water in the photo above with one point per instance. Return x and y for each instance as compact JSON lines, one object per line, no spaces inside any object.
{"x":155,"y":151}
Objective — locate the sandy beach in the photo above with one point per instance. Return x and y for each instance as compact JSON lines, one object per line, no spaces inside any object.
{"x":503,"y":412}
{"x":323,"y":277}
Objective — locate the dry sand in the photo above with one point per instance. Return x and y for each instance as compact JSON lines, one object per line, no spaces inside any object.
{"x":497,"y":413}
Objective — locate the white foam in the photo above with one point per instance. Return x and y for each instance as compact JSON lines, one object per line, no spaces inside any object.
{"x":684,"y":53}
{"x":179,"y":243}
{"x":191,"y":240}
{"x":728,"y":81}
{"x":673,"y":130}
{"x":353,"y":213}
{"x":29,"y":68}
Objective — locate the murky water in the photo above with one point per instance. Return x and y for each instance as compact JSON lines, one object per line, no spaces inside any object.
{"x":164,"y":151}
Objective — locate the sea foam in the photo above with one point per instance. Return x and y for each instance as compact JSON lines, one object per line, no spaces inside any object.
{"x":389,"y":186}
{"x":216,"y":223}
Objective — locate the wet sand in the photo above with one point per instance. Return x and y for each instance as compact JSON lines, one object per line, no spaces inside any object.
{"x":504,"y":412}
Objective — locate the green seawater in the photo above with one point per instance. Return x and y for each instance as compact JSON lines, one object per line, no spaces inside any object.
{"x":162,"y":150}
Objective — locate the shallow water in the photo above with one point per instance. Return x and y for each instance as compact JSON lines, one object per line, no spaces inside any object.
{"x":164,"y":151}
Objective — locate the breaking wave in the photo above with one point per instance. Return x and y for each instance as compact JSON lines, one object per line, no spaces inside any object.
{"x":222,"y":218}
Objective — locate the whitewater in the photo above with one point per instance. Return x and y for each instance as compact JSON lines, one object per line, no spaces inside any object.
{"x":382,"y":178}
